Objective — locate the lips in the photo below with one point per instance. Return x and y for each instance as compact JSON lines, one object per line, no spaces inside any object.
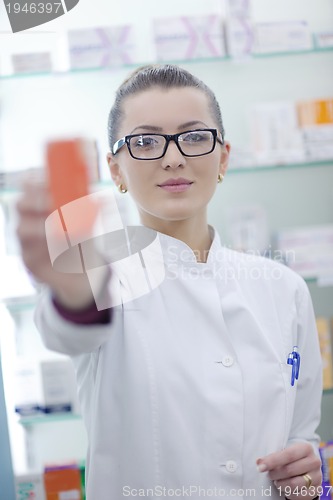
{"x":176,"y":182}
{"x":178,"y":185}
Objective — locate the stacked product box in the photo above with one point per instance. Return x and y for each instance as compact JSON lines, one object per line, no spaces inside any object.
{"x":35,"y":62}
{"x":288,"y":36}
{"x":239,"y":29}
{"x":308,"y":250}
{"x":315,"y":118}
{"x":188,"y":37}
{"x":44,"y":387}
{"x":102,"y":47}
{"x":30,"y":486}
{"x":325,"y":341}
{"x":63,"y":482}
{"x":323,"y":40}
{"x":275,"y":133}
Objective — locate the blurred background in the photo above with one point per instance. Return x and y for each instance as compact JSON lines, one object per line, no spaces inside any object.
{"x":271,"y":66}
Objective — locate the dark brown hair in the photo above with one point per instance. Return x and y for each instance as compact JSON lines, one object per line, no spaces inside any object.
{"x":164,"y":76}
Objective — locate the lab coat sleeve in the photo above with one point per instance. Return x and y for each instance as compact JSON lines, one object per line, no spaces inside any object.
{"x":307,"y":409}
{"x":66,"y":337}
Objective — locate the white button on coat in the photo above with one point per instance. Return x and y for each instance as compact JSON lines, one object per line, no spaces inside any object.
{"x":228,"y":361}
{"x":157,"y":407}
{"x":231,"y":466}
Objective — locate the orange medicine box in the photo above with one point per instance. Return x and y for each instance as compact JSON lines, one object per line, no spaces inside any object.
{"x":69,"y":169}
{"x":68,"y":173}
{"x":315,"y":112}
{"x":324,"y":334}
{"x":63,"y":482}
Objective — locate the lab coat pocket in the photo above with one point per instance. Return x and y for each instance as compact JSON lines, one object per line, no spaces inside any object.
{"x":290,"y":396}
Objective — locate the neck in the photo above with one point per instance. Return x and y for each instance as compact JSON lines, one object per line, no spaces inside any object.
{"x":194,"y":233}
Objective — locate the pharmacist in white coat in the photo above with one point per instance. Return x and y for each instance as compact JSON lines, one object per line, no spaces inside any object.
{"x":208,"y":382}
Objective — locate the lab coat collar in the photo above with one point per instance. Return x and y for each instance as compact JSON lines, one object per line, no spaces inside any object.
{"x":176,"y":251}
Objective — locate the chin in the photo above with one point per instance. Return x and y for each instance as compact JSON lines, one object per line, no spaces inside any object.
{"x":175,"y":215}
{"x":173,"y":210}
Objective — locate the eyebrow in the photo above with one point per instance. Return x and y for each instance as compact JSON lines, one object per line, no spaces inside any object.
{"x":153,"y":128}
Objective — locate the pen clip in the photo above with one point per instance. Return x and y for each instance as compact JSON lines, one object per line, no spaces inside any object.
{"x":297,"y":357}
{"x":294,"y":359}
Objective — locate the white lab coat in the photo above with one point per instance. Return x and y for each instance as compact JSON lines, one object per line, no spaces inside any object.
{"x":190,"y":384}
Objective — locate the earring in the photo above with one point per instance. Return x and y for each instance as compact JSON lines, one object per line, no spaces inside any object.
{"x":122,"y":189}
{"x":220,"y":178}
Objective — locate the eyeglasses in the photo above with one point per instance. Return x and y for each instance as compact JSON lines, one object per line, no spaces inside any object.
{"x":153,"y":146}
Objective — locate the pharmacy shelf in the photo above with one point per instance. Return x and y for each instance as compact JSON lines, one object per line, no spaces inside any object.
{"x":46,"y":419}
{"x":22,"y":305}
{"x":282,"y":166}
{"x":314,"y":50}
{"x":225,"y":59}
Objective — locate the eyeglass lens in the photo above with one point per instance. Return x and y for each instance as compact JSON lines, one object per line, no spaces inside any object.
{"x":192,"y":143}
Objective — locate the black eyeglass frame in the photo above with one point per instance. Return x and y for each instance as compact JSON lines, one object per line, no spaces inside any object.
{"x":168,"y":137}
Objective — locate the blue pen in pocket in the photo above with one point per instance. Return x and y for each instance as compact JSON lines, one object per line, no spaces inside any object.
{"x":294,"y":359}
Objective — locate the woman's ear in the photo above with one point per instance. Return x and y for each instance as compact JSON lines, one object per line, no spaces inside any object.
{"x":114,"y":169}
{"x":224,"y":160}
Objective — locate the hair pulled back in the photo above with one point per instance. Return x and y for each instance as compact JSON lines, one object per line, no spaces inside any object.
{"x":165,"y":76}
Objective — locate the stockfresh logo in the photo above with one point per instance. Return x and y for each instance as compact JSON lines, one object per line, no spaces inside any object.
{"x":24,"y":15}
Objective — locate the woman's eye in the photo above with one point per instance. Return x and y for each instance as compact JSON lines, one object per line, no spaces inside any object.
{"x":145,"y":142}
{"x":193,"y":137}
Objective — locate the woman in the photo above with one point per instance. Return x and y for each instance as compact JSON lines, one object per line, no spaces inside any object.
{"x":185,"y":390}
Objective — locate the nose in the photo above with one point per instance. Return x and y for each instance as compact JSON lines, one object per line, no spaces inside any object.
{"x":173,"y":158}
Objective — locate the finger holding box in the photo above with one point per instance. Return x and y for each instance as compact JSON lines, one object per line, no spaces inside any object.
{"x":43,"y":202}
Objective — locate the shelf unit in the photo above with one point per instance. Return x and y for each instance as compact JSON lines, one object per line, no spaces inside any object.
{"x":129,"y":67}
{"x":46,"y":419}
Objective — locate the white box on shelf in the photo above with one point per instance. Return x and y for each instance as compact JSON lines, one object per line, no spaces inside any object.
{"x":323,"y":40}
{"x":308,"y":250}
{"x":318,"y":133}
{"x":239,"y":37}
{"x":35,"y":62}
{"x":319,"y":150}
{"x":58,"y":385}
{"x":44,"y":386}
{"x":241,"y":158}
{"x":189,"y":37}
{"x":305,"y":236}
{"x":276,"y":137}
{"x":282,"y":37}
{"x":318,"y":141}
{"x":30,"y":486}
{"x":102,"y":47}
{"x":26,"y":387}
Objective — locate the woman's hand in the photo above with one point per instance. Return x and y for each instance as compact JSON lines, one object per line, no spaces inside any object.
{"x":72,"y":290}
{"x":288,"y":467}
